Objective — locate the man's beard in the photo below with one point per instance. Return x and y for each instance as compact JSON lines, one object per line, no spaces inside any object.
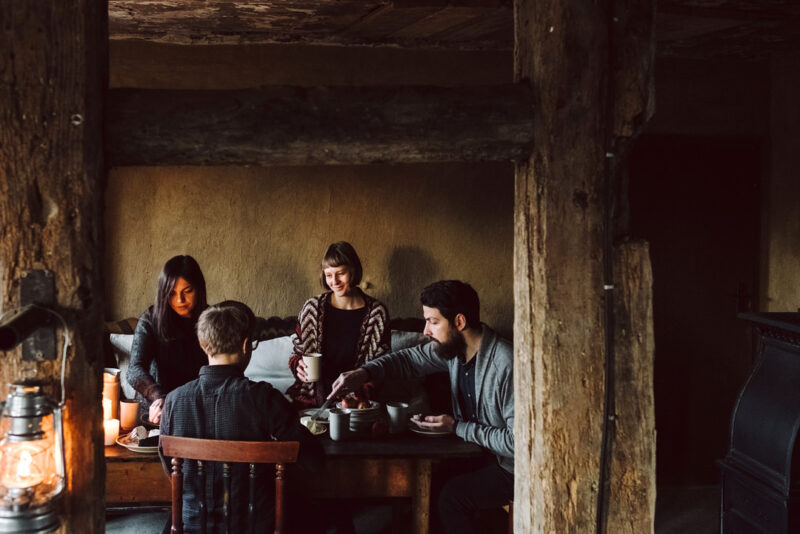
{"x":454,"y":346}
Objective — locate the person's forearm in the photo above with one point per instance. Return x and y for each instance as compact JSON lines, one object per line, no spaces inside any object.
{"x":143,"y":352}
{"x":413,"y":362}
{"x":146,"y":386}
{"x":498,"y":440}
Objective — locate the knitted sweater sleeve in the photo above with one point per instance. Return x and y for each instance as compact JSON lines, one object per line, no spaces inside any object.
{"x":377,"y":339}
{"x":385,"y":346}
{"x":143,"y":352}
{"x":306,"y":333}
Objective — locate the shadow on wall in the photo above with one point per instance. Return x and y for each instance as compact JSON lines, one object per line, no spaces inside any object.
{"x":410,"y":270}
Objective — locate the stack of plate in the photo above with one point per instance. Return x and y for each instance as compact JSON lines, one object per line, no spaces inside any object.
{"x":361,"y":419}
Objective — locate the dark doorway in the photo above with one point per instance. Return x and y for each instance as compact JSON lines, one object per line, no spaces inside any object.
{"x":696,"y":200}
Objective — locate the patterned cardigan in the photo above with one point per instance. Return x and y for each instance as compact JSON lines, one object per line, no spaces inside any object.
{"x":374,"y":340}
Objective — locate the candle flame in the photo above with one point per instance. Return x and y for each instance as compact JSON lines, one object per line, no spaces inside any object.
{"x":24,"y":465}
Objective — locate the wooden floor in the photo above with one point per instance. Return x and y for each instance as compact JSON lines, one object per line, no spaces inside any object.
{"x":687,"y":510}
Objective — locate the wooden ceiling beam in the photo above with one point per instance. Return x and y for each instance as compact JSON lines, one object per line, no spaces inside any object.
{"x":345,"y":22}
{"x":322,"y":125}
{"x":746,"y":10}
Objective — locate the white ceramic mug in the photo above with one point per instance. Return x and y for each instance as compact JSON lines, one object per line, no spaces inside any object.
{"x":313,"y":361}
{"x":338,"y":423}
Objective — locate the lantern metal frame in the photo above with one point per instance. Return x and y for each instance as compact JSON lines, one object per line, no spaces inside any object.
{"x":33,"y":509}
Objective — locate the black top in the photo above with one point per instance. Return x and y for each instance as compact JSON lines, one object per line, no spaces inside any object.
{"x":222,"y":404}
{"x":158,"y":366}
{"x":339,"y":344}
{"x":466,"y":389}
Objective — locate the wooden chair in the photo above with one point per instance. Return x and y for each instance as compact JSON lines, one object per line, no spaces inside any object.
{"x":227,"y":452}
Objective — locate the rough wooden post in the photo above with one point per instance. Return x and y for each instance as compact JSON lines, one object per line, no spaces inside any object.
{"x":586,"y":93}
{"x":633,"y":467}
{"x":53,"y":66}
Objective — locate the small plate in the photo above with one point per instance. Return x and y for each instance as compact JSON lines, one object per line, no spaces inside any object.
{"x":320,"y":427}
{"x":426,"y":432}
{"x":431,"y":433}
{"x":323,"y":418}
{"x":136,"y":448}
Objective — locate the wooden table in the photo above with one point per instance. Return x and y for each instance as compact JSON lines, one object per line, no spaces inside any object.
{"x":395,"y":466}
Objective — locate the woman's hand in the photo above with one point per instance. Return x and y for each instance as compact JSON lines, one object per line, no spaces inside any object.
{"x":302,"y":374}
{"x":155,"y":411}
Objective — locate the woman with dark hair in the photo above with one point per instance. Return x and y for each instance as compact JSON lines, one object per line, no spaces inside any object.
{"x":344,"y":324}
{"x":165,"y":353}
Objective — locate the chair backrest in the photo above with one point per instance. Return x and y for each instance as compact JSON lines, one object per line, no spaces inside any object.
{"x":226,"y":452}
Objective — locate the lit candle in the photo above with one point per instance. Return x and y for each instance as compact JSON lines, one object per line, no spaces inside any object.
{"x":111,"y":428}
{"x":22,"y":467}
{"x":106,"y":409}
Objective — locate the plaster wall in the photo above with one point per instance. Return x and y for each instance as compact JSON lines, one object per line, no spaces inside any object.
{"x":781,"y":218}
{"x":259,"y":233}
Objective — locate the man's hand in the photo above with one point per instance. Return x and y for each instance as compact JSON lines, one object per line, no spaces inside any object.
{"x":155,"y":411}
{"x":437,"y":423}
{"x":348,"y":381}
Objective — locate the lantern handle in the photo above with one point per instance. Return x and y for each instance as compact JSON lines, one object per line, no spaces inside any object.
{"x":12,"y":337}
{"x":63,"y":401}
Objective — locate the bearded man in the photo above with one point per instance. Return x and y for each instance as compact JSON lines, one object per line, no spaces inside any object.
{"x":480,"y":365}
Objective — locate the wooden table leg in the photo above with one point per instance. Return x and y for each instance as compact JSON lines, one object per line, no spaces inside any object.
{"x":421,"y":500}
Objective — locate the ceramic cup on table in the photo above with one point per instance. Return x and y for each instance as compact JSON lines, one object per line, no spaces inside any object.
{"x":339,"y":423}
{"x":313,"y":361}
{"x":128,"y":413}
{"x":398,"y":416}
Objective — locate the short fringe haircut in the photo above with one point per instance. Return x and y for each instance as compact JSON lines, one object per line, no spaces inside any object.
{"x":341,"y":254}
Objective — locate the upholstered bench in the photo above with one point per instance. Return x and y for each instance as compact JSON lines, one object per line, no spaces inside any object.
{"x":270,"y":361}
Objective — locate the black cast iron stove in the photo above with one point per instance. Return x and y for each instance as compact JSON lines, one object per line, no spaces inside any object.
{"x":761,"y":473}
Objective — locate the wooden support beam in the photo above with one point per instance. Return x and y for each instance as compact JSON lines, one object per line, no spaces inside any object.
{"x":566,"y":51}
{"x":53,"y":75}
{"x":305,"y":126}
{"x":632,"y":507}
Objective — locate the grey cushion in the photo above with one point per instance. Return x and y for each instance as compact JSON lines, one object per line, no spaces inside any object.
{"x":403,"y":340}
{"x":270,"y":363}
{"x":122,"y":351}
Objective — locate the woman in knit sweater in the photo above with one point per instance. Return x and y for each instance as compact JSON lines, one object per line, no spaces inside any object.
{"x":165,"y":353}
{"x":345,"y":325}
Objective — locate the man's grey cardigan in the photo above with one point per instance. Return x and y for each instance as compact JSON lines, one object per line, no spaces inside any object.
{"x":494,"y":388}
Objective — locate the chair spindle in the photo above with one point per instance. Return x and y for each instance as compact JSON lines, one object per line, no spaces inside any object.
{"x":251,"y":506}
{"x":226,"y":495}
{"x":279,"y":497}
{"x":201,"y":477}
{"x":176,"y":480}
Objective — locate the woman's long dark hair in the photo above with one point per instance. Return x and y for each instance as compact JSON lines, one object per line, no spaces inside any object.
{"x":164,"y":316}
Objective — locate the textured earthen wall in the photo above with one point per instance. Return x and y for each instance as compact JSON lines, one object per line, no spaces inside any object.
{"x":260,"y":233}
